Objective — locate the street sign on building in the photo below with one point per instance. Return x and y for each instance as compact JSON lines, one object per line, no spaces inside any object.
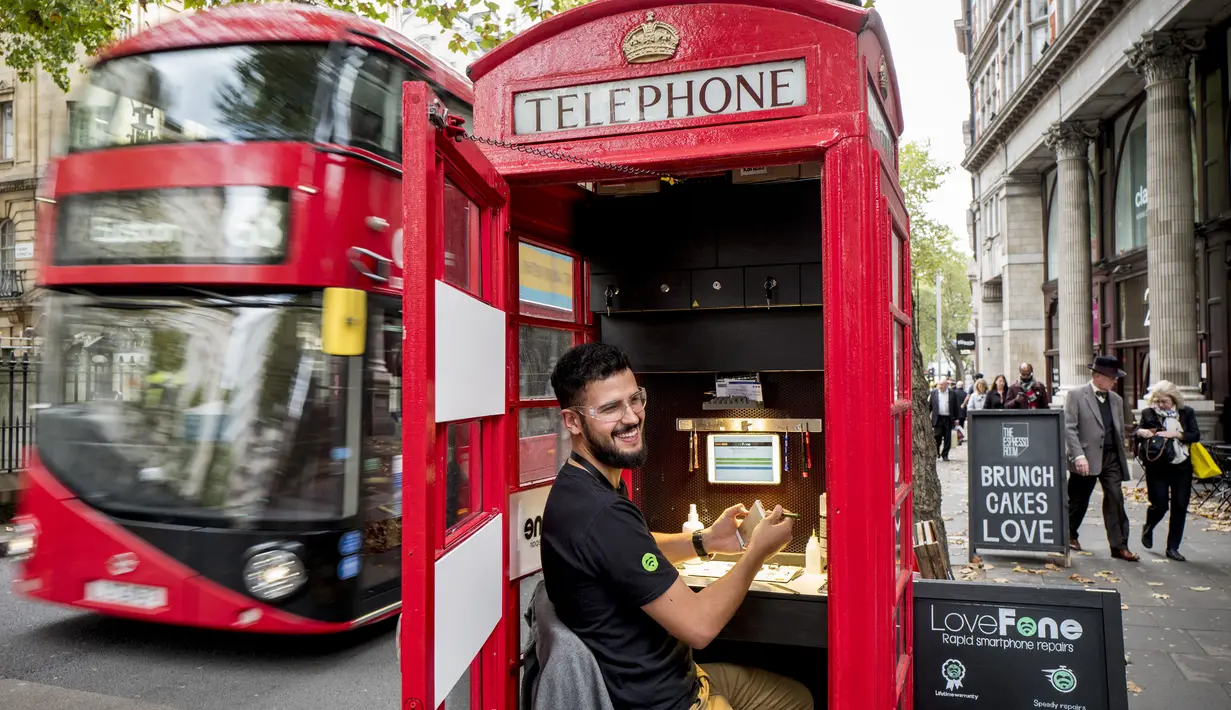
{"x":1017,"y":492}
{"x":1013,"y":647}
{"x":965,"y":342}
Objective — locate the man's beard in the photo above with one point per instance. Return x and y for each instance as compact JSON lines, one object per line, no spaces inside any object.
{"x":607,"y":452}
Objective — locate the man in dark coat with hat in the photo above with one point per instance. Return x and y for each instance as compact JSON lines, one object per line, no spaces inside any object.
{"x":1094,"y":422}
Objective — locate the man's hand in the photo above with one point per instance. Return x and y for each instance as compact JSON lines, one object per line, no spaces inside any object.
{"x":1083,"y":466}
{"x":770,"y":536}
{"x":721,"y":537}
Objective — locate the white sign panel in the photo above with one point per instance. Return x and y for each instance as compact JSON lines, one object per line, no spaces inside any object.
{"x":696,"y":94}
{"x":23,"y":250}
{"x":526,"y":531}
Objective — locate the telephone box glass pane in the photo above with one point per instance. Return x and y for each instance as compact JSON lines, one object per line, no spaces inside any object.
{"x":897,"y":448}
{"x":896,"y":296}
{"x":898,"y":543}
{"x":545,"y":283}
{"x":461,"y":241}
{"x":542,"y":444}
{"x":897,"y":360}
{"x":464,"y":473}
{"x":459,"y":697}
{"x":539,"y":349}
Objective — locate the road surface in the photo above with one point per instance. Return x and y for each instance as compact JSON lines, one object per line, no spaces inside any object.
{"x":53,"y":658}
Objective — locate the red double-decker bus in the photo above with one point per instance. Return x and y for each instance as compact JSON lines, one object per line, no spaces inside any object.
{"x":201,"y":457}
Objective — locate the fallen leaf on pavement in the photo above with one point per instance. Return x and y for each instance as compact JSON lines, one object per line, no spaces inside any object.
{"x":1161,"y":596}
{"x":1161,"y":561}
{"x":1104,"y":573}
{"x":1155,"y":584}
{"x":1055,"y":554}
{"x":948,"y":520}
{"x":1001,"y":580}
{"x":1200,"y":589}
{"x":977,"y":560}
{"x":1133,"y":687}
{"x":1051,"y":567}
{"x":1123,"y":606}
{"x":989,"y":566}
{"x":1081,"y":579}
{"x":1086,"y":554}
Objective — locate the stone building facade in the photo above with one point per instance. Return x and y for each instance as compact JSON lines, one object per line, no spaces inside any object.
{"x":1098,"y":147}
{"x":34,"y":125}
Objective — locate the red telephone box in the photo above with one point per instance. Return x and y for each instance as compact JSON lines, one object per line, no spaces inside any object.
{"x":713,"y":186}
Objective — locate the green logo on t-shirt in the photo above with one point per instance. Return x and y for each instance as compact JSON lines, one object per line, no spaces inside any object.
{"x":649,"y":562}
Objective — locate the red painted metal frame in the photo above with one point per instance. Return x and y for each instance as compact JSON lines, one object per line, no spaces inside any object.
{"x":429,"y":158}
{"x":857,"y":223}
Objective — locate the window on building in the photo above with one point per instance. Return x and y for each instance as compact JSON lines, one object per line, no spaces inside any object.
{"x":7,"y":130}
{"x":1132,"y":196}
{"x":8,"y":246}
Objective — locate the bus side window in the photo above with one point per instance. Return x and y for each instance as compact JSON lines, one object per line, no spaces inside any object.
{"x":381,"y":492}
{"x":375,"y":121}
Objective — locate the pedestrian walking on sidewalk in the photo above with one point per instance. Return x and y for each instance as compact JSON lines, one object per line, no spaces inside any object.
{"x":1027,"y":392}
{"x":1167,"y":429}
{"x":1093,"y":420}
{"x":945,"y":405}
{"x":998,"y":394}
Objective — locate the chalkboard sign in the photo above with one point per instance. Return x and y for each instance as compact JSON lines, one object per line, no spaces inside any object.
{"x":1018,"y":494}
{"x":1013,"y":647}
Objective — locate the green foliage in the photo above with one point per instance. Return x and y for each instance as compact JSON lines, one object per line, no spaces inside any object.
{"x":48,"y":33}
{"x":933,"y":251}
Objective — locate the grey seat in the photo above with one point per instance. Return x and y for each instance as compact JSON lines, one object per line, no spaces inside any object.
{"x":559,"y":669}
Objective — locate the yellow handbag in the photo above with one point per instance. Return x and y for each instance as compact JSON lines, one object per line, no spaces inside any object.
{"x":1203,"y":463}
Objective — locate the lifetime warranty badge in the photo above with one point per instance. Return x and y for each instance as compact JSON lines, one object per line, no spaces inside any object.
{"x":954,"y":672}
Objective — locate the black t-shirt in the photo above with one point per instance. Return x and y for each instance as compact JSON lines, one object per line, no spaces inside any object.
{"x":600,"y":566}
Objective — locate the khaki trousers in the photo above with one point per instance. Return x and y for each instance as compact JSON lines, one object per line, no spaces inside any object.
{"x":730,"y":687}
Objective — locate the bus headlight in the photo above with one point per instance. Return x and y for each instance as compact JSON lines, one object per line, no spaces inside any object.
{"x":22,"y":540}
{"x":273,"y":575}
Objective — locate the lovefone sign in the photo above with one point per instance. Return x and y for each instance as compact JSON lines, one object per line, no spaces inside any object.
{"x":1017,"y":481}
{"x":1012,"y":647}
{"x":725,"y":91}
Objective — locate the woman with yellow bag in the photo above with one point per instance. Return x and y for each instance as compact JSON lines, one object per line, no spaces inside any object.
{"x":1168,"y":428}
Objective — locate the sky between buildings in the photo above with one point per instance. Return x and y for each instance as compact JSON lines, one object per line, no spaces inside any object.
{"x":935,"y":96}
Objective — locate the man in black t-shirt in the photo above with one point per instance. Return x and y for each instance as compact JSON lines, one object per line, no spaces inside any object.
{"x":613,"y":582}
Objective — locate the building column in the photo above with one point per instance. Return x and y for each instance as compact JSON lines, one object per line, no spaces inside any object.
{"x":1163,"y":58}
{"x":1022,"y":298}
{"x":1071,"y":143}
{"x":991,"y":340}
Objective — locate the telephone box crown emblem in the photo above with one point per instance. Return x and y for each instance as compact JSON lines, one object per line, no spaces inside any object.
{"x":652,"y":41}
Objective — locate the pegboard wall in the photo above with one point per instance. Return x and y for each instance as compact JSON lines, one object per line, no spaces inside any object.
{"x":665,"y":487}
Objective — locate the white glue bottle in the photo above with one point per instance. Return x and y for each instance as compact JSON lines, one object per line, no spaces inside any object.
{"x":812,"y":555}
{"x":693,"y":523}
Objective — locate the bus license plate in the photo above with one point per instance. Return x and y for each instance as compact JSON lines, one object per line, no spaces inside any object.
{"x":137,"y":596}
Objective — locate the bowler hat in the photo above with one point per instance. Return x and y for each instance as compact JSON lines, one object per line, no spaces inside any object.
{"x":1107,"y":365}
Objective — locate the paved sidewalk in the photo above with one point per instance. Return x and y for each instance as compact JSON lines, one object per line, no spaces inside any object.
{"x":1177,"y":616}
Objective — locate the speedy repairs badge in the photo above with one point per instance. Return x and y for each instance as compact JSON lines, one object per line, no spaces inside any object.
{"x":1062,"y":679}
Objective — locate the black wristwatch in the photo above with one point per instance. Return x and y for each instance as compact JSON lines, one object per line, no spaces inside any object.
{"x":699,"y":546}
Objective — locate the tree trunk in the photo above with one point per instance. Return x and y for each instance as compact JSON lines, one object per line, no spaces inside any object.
{"x":927,"y":490}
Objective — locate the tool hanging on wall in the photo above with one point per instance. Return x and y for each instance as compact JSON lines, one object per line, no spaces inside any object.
{"x":692,"y":453}
{"x":786,"y":452}
{"x":808,"y":452}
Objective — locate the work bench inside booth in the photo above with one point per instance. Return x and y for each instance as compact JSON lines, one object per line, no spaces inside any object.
{"x":713,"y":276}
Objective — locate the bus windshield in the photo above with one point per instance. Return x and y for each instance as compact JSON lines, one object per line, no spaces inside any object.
{"x":196,"y":407}
{"x":228,"y":93}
